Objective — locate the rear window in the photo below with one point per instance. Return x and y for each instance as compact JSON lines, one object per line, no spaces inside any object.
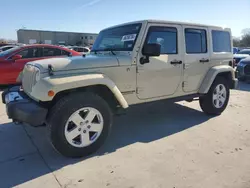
{"x":221,"y":41}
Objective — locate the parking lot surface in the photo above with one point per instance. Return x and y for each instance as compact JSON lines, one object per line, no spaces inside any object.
{"x":168,"y":145}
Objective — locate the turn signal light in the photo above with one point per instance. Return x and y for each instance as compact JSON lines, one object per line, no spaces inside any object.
{"x":51,"y":93}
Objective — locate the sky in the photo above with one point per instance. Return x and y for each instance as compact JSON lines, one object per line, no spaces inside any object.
{"x":95,"y":15}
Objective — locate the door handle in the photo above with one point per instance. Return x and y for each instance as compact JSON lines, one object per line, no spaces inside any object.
{"x":204,"y":60}
{"x":174,"y":62}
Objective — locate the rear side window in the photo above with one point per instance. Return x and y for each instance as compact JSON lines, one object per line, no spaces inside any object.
{"x":221,"y":41}
{"x":80,"y":49}
{"x":196,"y":41}
{"x":65,"y":53}
{"x":85,"y":50}
{"x":51,"y":52}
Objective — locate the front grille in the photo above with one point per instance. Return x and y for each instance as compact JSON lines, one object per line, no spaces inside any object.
{"x":28,"y":78}
{"x":247,"y":70}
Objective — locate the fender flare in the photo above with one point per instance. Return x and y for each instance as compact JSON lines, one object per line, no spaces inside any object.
{"x":211,"y":75}
{"x":59,"y":84}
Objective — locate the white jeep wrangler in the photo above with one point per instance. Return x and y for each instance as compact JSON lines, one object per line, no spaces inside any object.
{"x":129,"y":64}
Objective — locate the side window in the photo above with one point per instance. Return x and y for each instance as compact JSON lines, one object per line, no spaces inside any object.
{"x":165,"y":36}
{"x":80,"y":49}
{"x":85,"y":50}
{"x":30,"y":53}
{"x":221,"y":41}
{"x":65,"y":53}
{"x":196,"y":41}
{"x":51,"y":52}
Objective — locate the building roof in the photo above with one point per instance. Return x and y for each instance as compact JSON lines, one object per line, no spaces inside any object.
{"x":56,"y":31}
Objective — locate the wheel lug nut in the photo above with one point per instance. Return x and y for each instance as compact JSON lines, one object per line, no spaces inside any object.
{"x":79,"y":129}
{"x":84,"y":131}
{"x":81,"y":123}
{"x":89,"y":126}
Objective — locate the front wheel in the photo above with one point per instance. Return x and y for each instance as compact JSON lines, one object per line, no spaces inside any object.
{"x":216,"y":100}
{"x":79,"y":124}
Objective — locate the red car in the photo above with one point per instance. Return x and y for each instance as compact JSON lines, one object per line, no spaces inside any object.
{"x":12,"y":61}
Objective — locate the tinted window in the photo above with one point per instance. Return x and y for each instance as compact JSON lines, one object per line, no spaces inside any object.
{"x":80,"y":49}
{"x":196,"y":41}
{"x":7,"y":48}
{"x":85,"y":50}
{"x":91,"y":37}
{"x":221,"y":41}
{"x":86,"y":37}
{"x":51,"y":52}
{"x":166,"y":37}
{"x":244,"y":52}
{"x":8,"y":52}
{"x":30,"y":53}
{"x":65,"y":53}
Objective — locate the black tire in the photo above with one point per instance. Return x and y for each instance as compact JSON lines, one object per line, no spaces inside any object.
{"x":206,"y":102}
{"x":60,"y":113}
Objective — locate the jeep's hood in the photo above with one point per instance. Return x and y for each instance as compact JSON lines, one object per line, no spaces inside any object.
{"x":76,"y":63}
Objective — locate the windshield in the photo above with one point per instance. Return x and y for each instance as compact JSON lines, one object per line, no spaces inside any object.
{"x":121,"y":38}
{"x":4,"y":53}
{"x":244,"y":52}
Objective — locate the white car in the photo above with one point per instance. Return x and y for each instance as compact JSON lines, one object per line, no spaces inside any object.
{"x":82,"y":50}
{"x":4,"y":48}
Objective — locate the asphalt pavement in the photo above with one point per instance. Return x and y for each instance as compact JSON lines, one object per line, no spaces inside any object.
{"x":165,"y":145}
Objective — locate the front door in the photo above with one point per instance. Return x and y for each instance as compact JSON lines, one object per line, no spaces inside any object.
{"x":163,"y":74}
{"x":196,"y":57}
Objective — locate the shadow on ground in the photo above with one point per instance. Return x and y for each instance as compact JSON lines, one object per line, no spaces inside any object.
{"x":145,"y":123}
{"x":243,"y":86}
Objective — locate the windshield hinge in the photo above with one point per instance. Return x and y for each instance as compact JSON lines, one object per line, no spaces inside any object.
{"x":51,"y":70}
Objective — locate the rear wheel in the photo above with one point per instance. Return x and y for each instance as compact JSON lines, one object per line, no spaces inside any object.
{"x":216,"y":100}
{"x":79,"y":124}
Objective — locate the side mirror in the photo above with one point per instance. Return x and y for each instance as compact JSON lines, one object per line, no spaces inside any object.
{"x":150,"y":50}
{"x":16,"y":57}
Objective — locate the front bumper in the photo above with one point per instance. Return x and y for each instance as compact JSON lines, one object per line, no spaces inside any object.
{"x":25,"y":109}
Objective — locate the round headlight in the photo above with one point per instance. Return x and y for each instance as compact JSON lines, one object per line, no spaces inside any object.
{"x":37,"y":74}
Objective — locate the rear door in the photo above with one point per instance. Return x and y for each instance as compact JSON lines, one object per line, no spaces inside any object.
{"x":196,"y":58}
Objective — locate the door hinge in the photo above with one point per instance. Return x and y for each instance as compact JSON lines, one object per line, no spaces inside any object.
{"x":184,"y":84}
{"x":138,"y":90}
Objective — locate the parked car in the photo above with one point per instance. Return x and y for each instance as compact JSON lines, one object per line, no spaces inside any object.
{"x":13,"y":60}
{"x":82,"y":50}
{"x":129,"y":64}
{"x":241,"y":55}
{"x":243,"y":69}
{"x":4,"y":48}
